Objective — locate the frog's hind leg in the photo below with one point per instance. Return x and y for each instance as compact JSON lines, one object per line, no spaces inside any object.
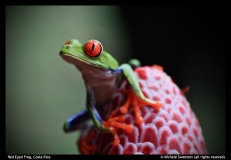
{"x":77,"y":121}
{"x":95,"y":116}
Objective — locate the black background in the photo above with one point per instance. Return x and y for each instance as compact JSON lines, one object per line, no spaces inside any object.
{"x":167,"y":35}
{"x":189,"y":42}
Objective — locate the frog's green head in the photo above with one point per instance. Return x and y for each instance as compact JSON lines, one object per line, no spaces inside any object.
{"x":90,"y":53}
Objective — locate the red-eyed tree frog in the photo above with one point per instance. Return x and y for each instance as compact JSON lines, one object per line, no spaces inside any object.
{"x":102,"y":76}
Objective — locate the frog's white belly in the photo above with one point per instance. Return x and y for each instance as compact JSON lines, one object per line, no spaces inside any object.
{"x":101,"y":81}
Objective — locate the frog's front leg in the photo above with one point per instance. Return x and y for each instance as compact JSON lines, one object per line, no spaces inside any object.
{"x":135,"y":95}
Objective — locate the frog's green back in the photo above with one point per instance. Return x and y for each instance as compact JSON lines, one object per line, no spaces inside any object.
{"x":112,"y":62}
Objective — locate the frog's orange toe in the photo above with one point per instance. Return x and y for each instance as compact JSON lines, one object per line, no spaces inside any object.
{"x":123,"y":109}
{"x":139,"y":120}
{"x":128,"y":129}
{"x":158,"y":105}
{"x":116,"y":141}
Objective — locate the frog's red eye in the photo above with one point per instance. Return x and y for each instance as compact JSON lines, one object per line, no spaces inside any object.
{"x":93,"y":48}
{"x":67,"y":42}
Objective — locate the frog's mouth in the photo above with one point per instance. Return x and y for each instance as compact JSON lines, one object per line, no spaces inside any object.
{"x":82,"y":65}
{"x":72,"y":59}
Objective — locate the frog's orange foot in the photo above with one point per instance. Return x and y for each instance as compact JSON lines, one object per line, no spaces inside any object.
{"x":116,"y":122}
{"x":84,"y":146}
{"x":137,"y":102}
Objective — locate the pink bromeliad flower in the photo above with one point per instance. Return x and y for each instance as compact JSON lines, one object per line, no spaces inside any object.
{"x":141,"y":129}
